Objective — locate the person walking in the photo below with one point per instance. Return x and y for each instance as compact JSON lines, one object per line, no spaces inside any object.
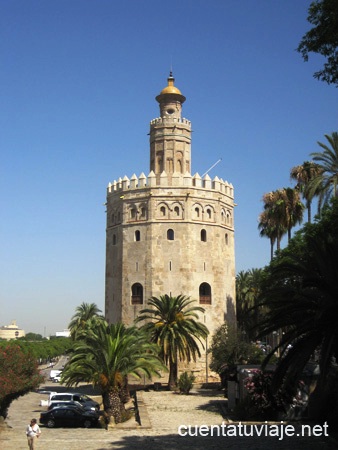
{"x":32,"y":433}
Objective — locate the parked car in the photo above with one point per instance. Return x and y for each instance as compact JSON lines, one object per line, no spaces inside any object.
{"x":73,"y":396}
{"x":70,"y":403}
{"x":65,"y":416}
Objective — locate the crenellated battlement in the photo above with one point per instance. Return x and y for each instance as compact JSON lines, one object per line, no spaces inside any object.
{"x":177,"y":180}
{"x":168,"y":120}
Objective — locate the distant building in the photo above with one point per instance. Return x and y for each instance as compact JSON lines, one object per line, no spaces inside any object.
{"x":11,"y":331}
{"x":64,"y":333}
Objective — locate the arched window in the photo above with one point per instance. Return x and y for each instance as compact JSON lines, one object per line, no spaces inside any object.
{"x":143,"y":212}
{"x":137,"y":235}
{"x":208,"y":213}
{"x":163,"y":211}
{"x":226,"y":239}
{"x":197,"y":212}
{"x":205,"y":294}
{"x":114,"y":239}
{"x":137,"y":294}
{"x":170,"y":234}
{"x":177,"y":211}
{"x":133,"y":213}
{"x":223,"y":216}
{"x":203,"y":236}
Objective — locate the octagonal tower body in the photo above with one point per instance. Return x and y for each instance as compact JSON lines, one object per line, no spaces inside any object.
{"x":170,"y":232}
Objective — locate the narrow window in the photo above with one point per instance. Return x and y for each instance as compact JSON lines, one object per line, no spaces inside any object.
{"x":203,"y":236}
{"x":226,"y":239}
{"x":169,"y":266}
{"x":143,"y":213}
{"x":133,"y":213}
{"x":177,"y":211}
{"x":170,"y":234}
{"x":222,"y":217}
{"x":205,"y":294}
{"x":114,"y":239}
{"x":209,"y":213}
{"x":137,"y":235}
{"x":137,"y":294}
{"x":162,"y":211}
{"x":197,"y":212}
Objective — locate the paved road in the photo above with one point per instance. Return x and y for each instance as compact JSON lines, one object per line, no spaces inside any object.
{"x":163,"y":413}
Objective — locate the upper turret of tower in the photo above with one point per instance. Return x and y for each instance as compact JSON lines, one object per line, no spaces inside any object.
{"x":170,"y":135}
{"x":170,"y":99}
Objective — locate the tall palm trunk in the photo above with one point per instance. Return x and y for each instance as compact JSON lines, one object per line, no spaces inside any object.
{"x":173,"y":374}
{"x":113,"y":405}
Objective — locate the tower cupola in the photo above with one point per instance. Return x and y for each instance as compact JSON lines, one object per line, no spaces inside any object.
{"x":170,"y":99}
{"x":170,"y":134}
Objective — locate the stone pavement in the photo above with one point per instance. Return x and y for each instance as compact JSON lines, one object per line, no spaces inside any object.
{"x":162,"y":412}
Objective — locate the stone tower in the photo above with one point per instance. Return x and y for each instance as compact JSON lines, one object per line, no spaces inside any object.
{"x":170,"y":232}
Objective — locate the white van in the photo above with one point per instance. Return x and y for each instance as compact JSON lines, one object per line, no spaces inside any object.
{"x":54,"y":373}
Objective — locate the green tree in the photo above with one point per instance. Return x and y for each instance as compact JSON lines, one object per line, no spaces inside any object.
{"x":248,"y":288}
{"x":325,"y":183}
{"x":268,"y":228}
{"x":105,"y":355}
{"x":173,"y":326}
{"x":283,"y":210}
{"x":301,"y":296}
{"x":83,"y":314}
{"x":304,"y":174}
{"x":323,"y":38}
{"x":18,"y":375}
{"x":293,"y":209}
{"x":229,"y":348}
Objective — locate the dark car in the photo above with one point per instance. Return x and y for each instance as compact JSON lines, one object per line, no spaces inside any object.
{"x":69,"y":416}
{"x":82,"y":406}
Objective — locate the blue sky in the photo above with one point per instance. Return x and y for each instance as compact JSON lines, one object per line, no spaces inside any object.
{"x":78,"y":82}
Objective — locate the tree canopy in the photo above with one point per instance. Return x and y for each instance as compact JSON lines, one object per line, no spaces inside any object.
{"x":301,"y":296}
{"x":18,"y":374}
{"x":323,"y":38}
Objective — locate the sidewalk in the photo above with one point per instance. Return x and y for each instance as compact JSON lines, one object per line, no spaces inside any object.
{"x":162,"y":412}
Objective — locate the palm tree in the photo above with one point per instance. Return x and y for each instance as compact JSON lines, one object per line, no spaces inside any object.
{"x":83,"y":314}
{"x":283,"y":210}
{"x":105,"y":355}
{"x":325,"y":183}
{"x":303,"y":175}
{"x":268,"y":229}
{"x":272,"y":219}
{"x":293,"y":208}
{"x":174,"y":328}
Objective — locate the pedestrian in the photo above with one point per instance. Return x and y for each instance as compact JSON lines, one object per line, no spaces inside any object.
{"x":33,"y":432}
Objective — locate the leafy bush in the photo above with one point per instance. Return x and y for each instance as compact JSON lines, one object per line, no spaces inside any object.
{"x":263,"y":403}
{"x":185,"y":382}
{"x":18,"y":375}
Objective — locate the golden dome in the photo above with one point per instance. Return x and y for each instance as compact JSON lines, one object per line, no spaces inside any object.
{"x":170,"y":90}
